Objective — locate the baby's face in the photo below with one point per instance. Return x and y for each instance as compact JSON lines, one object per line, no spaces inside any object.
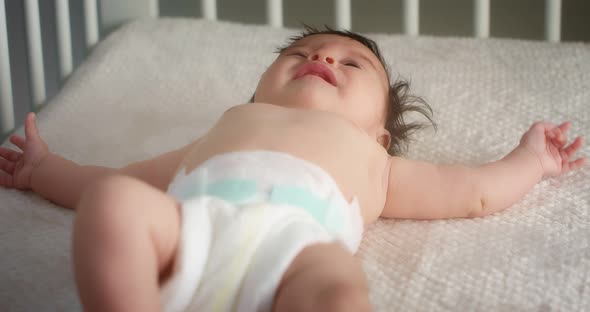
{"x":329,"y":73}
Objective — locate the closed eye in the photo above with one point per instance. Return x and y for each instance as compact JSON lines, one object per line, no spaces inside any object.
{"x":352,"y":64}
{"x":298,"y":53}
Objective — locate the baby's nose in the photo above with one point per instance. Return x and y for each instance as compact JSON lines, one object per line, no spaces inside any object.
{"x":327,"y":59}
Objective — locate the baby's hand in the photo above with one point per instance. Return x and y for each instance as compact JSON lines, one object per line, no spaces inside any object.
{"x":16,"y":167}
{"x":548,"y":143}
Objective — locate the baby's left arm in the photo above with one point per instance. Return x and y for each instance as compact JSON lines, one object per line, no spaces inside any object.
{"x":419,"y":190}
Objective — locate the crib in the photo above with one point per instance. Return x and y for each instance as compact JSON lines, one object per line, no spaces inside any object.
{"x":142,"y":78}
{"x":274,"y":17}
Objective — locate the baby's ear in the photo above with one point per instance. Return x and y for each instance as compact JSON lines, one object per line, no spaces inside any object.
{"x":384,"y":138}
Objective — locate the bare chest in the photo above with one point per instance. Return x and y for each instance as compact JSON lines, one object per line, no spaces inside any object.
{"x":356,"y":163}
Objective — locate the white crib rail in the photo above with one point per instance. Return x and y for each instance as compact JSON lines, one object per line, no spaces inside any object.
{"x":411,"y":17}
{"x":481,"y":18}
{"x":553,"y":20}
{"x":64,"y":37}
{"x":6,"y":109}
{"x":343,"y":14}
{"x":274,"y":14}
{"x":154,"y":8}
{"x":209,"y":8}
{"x":35,"y":52}
{"x":91,"y":22}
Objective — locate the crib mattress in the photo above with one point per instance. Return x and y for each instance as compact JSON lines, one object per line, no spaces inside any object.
{"x":154,"y":85}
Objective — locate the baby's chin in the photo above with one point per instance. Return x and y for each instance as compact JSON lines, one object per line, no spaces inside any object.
{"x":309,"y":104}
{"x":312,"y":98}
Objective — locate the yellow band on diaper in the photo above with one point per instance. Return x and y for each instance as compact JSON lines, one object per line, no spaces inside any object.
{"x":239,"y":264}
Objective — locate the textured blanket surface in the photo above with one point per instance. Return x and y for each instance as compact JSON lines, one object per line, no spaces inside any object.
{"x":156,"y":84}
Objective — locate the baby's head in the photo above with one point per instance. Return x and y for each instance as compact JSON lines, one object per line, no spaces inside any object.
{"x":345,"y":73}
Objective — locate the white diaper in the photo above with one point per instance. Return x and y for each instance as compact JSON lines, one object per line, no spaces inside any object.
{"x":245,"y":216}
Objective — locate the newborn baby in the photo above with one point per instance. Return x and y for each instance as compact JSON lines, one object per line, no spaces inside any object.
{"x":266,"y":210}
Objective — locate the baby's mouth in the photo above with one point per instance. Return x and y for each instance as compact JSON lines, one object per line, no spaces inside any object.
{"x":316,"y":69}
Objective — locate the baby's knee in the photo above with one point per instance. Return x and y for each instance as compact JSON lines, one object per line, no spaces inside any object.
{"x":108,"y":202}
{"x":108,"y":191}
{"x":343,"y":296}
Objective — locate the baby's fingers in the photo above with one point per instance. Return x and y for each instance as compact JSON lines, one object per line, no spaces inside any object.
{"x":31,"y":131}
{"x":19,"y":141}
{"x":573,"y":165}
{"x":565,"y":126}
{"x":570,"y":150}
{"x":557,"y":135}
{"x":9,"y":154}
{"x":7,"y":166}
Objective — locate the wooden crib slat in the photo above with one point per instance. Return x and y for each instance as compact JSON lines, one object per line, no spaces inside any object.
{"x":553,"y":20}
{"x":209,"y":8}
{"x":343,"y":18}
{"x":35,"y":52}
{"x":91,"y":23}
{"x":481,"y":18}
{"x":274,"y":12}
{"x":64,"y":39}
{"x":411,"y":17}
{"x":6,"y":107}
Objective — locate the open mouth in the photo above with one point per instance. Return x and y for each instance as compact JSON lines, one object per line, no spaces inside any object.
{"x":316,"y":69}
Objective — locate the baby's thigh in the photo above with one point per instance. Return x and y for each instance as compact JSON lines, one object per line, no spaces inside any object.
{"x":124,"y":205}
{"x":323,"y":277}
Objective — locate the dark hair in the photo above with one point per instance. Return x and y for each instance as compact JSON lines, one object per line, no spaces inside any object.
{"x":400,"y":100}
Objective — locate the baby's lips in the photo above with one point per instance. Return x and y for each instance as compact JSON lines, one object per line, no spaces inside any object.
{"x":317,"y":69}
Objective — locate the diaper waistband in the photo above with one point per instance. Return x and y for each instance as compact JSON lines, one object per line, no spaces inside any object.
{"x":246,"y":177}
{"x":266,"y":168}
{"x":327,"y":211}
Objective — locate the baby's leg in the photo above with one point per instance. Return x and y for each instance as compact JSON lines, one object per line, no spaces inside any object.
{"x":323,"y":277}
{"x":125,"y":237}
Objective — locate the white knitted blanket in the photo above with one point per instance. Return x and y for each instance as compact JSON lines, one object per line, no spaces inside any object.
{"x":154,"y":85}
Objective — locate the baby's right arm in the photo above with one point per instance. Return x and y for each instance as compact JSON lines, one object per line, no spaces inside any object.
{"x":62,"y":181}
{"x":420,"y":190}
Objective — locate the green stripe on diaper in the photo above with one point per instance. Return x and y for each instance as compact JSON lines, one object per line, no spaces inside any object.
{"x":239,"y":191}
{"x":301,"y":197}
{"x":233,"y":190}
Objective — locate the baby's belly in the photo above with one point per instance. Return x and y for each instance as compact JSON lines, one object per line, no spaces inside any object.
{"x":343,"y":151}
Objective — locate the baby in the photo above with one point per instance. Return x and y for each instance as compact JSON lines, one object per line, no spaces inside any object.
{"x":265,"y":211}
